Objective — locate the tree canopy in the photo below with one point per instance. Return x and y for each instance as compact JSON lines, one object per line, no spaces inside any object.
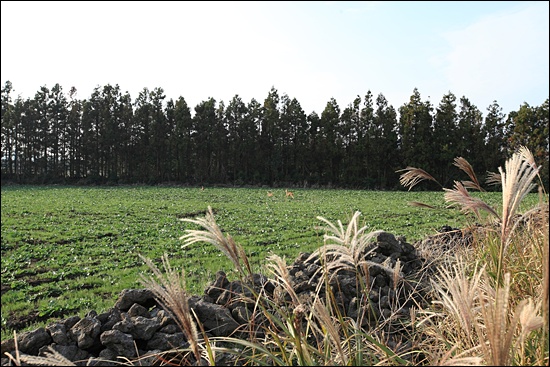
{"x":108,"y":138}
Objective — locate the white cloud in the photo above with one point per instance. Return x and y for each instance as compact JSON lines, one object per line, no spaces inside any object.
{"x":500,"y":57}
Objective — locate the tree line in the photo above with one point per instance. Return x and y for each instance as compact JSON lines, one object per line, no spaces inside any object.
{"x":112,"y":139}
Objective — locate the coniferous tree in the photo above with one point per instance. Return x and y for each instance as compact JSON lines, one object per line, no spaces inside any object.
{"x":354,"y":155}
{"x":160,"y":133}
{"x":469,"y":134}
{"x":387,"y":148}
{"x":125,"y":117}
{"x":529,"y":127}
{"x":293,"y":129}
{"x":235,"y":118}
{"x":8,"y":129}
{"x":204,"y":123}
{"x":269,"y":135}
{"x":110,"y":132}
{"x":331,"y":143}
{"x":367,"y":141}
{"x":219,"y":144}
{"x":57,"y":111}
{"x":19,"y":121}
{"x":314,"y":166}
{"x":43,"y":133}
{"x":415,"y":133}
{"x":250,"y":129}
{"x":143,"y":116}
{"x":74,"y":137}
{"x":446,"y":138}
{"x":495,"y":142}
{"x":182,"y":140}
{"x":29,"y":139}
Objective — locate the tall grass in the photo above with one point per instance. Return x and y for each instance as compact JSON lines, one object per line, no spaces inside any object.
{"x":301,"y":330}
{"x":490,"y":299}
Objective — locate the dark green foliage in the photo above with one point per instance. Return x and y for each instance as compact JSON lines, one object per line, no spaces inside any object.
{"x":110,"y":139}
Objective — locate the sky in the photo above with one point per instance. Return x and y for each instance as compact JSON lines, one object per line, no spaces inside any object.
{"x":313,"y":51}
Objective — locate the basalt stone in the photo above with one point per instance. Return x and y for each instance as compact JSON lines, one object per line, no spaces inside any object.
{"x":137,"y":320}
{"x":215,"y":318}
{"x":71,"y":321}
{"x":164,"y":341}
{"x":217,"y":287}
{"x":58,"y":332}
{"x":121,"y":343}
{"x":31,"y":342}
{"x":85,"y":332}
{"x":138,"y":310}
{"x":71,"y":352}
{"x":128,"y":297}
{"x":109,"y":319}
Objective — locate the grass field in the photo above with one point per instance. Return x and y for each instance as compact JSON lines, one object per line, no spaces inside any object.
{"x":69,"y":250}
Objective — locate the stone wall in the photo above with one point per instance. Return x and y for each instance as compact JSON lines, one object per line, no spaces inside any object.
{"x":137,"y":327}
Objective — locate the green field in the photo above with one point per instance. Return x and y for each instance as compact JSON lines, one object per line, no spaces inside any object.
{"x":68,"y":250}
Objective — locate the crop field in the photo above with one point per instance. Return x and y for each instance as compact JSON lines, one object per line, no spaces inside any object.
{"x":69,"y":250}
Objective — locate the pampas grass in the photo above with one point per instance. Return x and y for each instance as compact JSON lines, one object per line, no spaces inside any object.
{"x":464,"y":165}
{"x":213,"y":234}
{"x":171,"y":293}
{"x":412,"y":176}
{"x":480,"y":315}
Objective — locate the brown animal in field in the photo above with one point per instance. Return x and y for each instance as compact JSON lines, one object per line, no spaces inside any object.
{"x":269,"y":194}
{"x":289,"y":194}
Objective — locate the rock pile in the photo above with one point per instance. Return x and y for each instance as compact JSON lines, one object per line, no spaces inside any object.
{"x":138,"y":327}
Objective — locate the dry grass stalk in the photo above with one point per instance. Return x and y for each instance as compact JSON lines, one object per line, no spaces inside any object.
{"x":413,"y":176}
{"x":449,"y":360}
{"x":214,"y":235}
{"x":546,"y":278}
{"x":278,"y":267}
{"x":493,"y":178}
{"x":464,"y":165}
{"x":526,"y":154}
{"x":345,"y":248}
{"x":529,"y":321}
{"x":50,"y":358}
{"x":460,"y":196}
{"x":421,"y":205}
{"x":528,"y":317}
{"x":499,"y":330}
{"x":170,"y":292}
{"x":397,"y":274}
{"x":459,"y":295}
{"x":517,"y":181}
{"x":331,"y":330}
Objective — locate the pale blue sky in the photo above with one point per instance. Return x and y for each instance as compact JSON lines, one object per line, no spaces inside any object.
{"x":311,"y":51}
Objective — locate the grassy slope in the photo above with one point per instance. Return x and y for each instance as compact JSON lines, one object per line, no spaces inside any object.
{"x":67,"y":250}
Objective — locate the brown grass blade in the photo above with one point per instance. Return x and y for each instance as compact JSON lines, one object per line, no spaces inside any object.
{"x":458,"y":293}
{"x":460,"y":196}
{"x":464,"y":165}
{"x":526,"y":154}
{"x":50,"y":358}
{"x":214,"y":235}
{"x":499,"y":330}
{"x":493,"y":178}
{"x":278,"y":267}
{"x":421,"y":205}
{"x":171,"y":293}
{"x":517,"y":178}
{"x":413,"y":176}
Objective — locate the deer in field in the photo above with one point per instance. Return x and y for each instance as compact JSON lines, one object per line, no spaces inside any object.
{"x":289,"y":194}
{"x":269,"y":194}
